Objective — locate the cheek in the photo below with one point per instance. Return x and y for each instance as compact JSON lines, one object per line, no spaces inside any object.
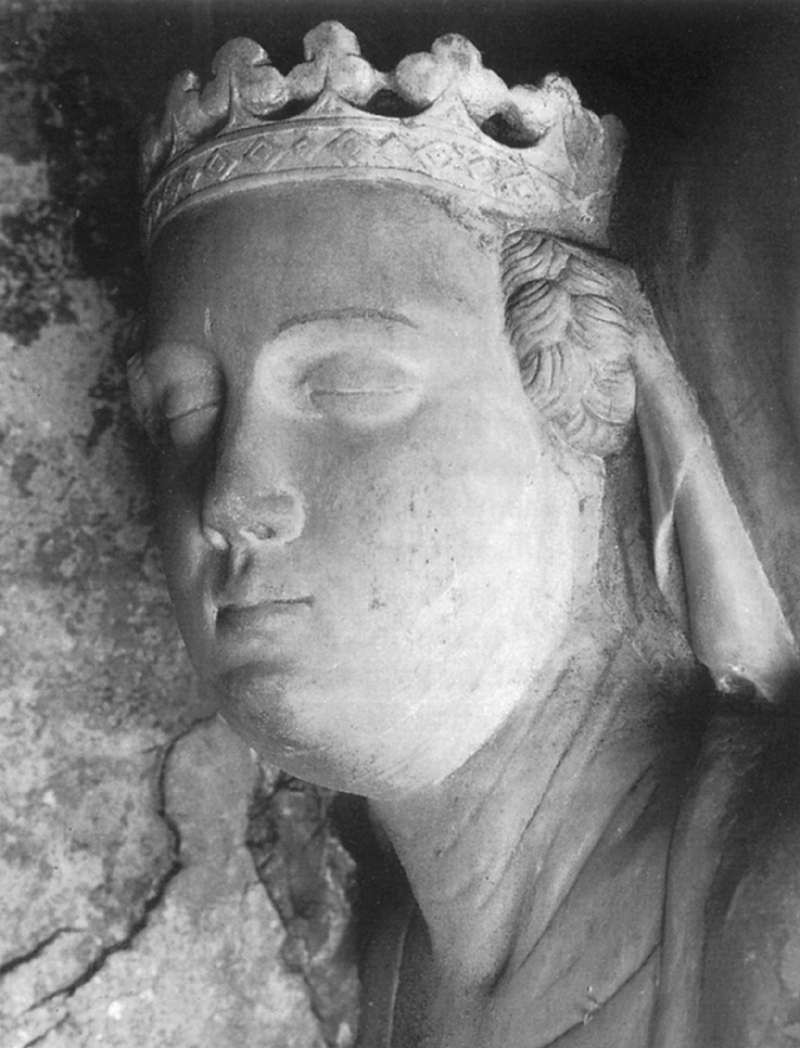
{"x":430,"y":513}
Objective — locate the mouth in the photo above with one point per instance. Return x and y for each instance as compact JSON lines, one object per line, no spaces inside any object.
{"x":241,"y":619}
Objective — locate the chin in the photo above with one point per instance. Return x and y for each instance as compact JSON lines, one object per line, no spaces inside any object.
{"x":348,"y":735}
{"x":260,"y":702}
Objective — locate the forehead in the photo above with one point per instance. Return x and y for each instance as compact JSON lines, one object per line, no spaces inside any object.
{"x":260,"y":259}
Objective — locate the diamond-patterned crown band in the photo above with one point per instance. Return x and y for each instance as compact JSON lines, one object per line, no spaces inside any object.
{"x":560,"y":180}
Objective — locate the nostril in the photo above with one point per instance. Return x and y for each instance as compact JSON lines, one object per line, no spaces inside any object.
{"x":262,"y":532}
{"x":230,"y":518}
{"x":216,"y":539}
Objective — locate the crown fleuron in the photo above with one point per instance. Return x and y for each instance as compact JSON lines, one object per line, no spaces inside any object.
{"x":531,"y":156}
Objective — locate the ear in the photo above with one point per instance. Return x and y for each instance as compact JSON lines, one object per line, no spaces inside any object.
{"x":736,"y":625}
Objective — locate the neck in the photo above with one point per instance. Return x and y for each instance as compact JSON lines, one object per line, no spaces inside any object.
{"x":538,"y":866}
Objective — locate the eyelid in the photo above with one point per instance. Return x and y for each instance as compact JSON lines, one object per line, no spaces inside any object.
{"x":362,"y":390}
{"x":187,"y":401}
{"x":193,"y":410}
{"x":339,"y":391}
{"x":173,"y":382}
{"x":349,"y":372}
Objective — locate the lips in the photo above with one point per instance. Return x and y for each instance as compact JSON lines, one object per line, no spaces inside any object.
{"x":265,"y":615}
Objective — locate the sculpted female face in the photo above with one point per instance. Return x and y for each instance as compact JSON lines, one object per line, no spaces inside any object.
{"x":367,"y":537}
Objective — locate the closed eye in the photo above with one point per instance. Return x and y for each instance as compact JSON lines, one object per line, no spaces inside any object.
{"x":192,"y":426}
{"x":208,"y":406}
{"x":177,"y":392}
{"x":358,"y":389}
{"x":364,"y":391}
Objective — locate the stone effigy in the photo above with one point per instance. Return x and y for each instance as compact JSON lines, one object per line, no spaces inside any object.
{"x":395,"y":378}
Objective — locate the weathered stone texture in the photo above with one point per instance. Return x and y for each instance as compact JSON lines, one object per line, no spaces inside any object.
{"x":130,"y":908}
{"x":309,"y":876}
{"x":203,"y":967}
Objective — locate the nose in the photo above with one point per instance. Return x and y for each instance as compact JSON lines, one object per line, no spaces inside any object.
{"x":232,"y":518}
{"x":249,"y":498}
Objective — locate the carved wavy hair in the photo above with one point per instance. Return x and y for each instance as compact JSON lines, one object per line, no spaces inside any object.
{"x":567,"y":324}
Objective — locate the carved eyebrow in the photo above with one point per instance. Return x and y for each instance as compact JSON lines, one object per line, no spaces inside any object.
{"x":346,"y":313}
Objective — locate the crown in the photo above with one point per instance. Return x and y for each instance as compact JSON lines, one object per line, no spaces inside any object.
{"x":528,"y":156}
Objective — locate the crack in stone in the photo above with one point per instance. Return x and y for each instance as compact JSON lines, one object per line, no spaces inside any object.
{"x":141,"y":922}
{"x":260,"y":803}
{"x":50,"y":1029}
{"x":305,"y":916}
{"x":36,"y":951}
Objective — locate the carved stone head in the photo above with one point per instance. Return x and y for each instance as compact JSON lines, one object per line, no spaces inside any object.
{"x":381,"y":400}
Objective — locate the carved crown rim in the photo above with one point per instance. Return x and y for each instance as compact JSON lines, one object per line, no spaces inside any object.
{"x":562,"y":179}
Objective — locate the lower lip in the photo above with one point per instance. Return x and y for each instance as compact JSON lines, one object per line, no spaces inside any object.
{"x":257,"y":618}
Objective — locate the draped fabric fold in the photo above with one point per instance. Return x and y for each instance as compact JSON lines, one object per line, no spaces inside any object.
{"x":736,"y":624}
